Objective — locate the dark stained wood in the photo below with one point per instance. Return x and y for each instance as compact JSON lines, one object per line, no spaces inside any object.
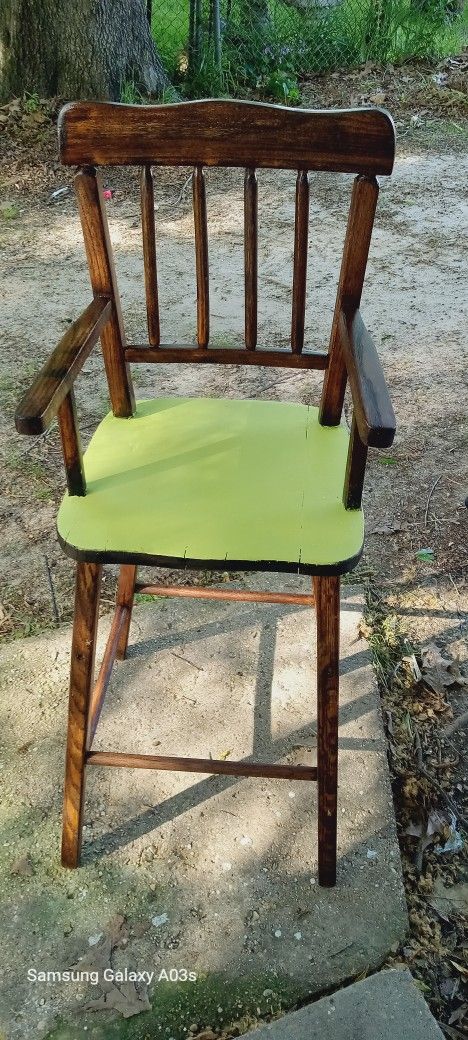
{"x":355,"y":469}
{"x":225,"y":356}
{"x":201,"y":765}
{"x":40,"y":404}
{"x":239,"y":595}
{"x":71,"y":445}
{"x":251,"y":257}
{"x":182,"y":562}
{"x":373,"y":410}
{"x":327,"y":595}
{"x":201,"y":256}
{"x":88,"y":584}
{"x":125,"y":597}
{"x":353,"y":268}
{"x":227,"y":133}
{"x":104,"y":282}
{"x":149,"y":254}
{"x":105,"y":672}
{"x":301,"y":241}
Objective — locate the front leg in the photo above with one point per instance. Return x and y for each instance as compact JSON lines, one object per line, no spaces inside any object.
{"x":87,"y":591}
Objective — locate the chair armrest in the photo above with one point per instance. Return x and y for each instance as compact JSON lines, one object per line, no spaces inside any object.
{"x":373,"y":410}
{"x":41,"y":402}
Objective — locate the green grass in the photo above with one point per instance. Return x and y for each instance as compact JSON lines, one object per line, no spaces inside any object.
{"x":296,"y":44}
{"x":170,"y":26}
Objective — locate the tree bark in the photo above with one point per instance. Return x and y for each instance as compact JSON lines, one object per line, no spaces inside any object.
{"x":77,"y":50}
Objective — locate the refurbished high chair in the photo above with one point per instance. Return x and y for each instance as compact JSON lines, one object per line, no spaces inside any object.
{"x":214,"y":483}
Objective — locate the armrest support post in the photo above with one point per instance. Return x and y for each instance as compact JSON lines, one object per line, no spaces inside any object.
{"x":71,"y":446}
{"x":355,"y":469}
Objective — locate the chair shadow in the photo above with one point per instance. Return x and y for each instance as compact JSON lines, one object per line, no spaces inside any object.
{"x":264,"y":747}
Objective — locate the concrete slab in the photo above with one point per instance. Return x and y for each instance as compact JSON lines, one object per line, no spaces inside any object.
{"x":386,"y":1006}
{"x":232,"y":864}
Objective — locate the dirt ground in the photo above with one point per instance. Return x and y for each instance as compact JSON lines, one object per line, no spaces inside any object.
{"x":414,"y":303}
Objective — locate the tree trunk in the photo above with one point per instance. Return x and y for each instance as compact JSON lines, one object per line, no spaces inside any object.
{"x":77,"y":50}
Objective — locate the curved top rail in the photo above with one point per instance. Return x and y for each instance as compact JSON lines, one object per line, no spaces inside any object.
{"x":227,"y":133}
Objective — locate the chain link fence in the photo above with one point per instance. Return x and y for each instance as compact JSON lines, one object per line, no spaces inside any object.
{"x":234,"y":47}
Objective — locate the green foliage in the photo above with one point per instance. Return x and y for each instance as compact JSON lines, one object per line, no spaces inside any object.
{"x":129,"y":94}
{"x":31,"y":103}
{"x":9,"y":211}
{"x":280,"y":86}
{"x":397,"y":30}
{"x":281,"y":41}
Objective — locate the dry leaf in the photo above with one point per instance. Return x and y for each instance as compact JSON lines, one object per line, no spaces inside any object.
{"x":411,"y":664}
{"x":127,"y":998}
{"x":440,"y":672}
{"x":22,"y":867}
{"x":452,"y":899}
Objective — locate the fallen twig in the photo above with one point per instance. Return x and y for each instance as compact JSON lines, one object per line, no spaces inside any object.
{"x":456,"y":724}
{"x":36,"y":442}
{"x":170,"y":205}
{"x":426,"y":514}
{"x":52,"y":592}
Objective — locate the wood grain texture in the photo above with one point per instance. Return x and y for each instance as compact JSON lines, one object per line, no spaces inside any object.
{"x":355,"y":469}
{"x":71,"y":445}
{"x":227,"y":133}
{"x":125,"y":599}
{"x":239,"y":595}
{"x":327,"y":596}
{"x":348,"y":298}
{"x":251,"y":257}
{"x":149,"y":254}
{"x":104,"y":282}
{"x":40,"y":404}
{"x":301,"y":242}
{"x":201,"y":765}
{"x":201,"y":256}
{"x":88,"y":584}
{"x":373,"y":410}
{"x":225,"y":356}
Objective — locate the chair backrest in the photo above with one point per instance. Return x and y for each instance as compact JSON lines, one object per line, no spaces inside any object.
{"x":222,"y":133}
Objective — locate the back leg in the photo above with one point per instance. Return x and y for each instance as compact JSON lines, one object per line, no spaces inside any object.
{"x":125,"y":597}
{"x":87,"y":591}
{"x":327,"y":597}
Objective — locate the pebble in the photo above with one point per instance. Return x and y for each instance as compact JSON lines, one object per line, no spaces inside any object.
{"x":159,"y":920}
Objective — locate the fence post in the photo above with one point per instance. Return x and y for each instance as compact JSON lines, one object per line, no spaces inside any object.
{"x":217,"y":33}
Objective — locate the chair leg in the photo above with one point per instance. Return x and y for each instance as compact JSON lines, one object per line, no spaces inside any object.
{"x":125,"y":595}
{"x":88,"y":585}
{"x":327,"y":596}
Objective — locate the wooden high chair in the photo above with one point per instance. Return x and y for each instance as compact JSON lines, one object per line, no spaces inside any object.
{"x":214,"y":483}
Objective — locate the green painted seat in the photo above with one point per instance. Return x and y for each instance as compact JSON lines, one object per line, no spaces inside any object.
{"x":257,"y":484}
